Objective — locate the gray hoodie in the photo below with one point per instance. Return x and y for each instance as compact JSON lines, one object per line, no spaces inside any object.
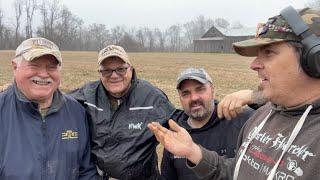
{"x":301,"y":160}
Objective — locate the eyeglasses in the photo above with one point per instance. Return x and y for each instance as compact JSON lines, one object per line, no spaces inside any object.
{"x":108,"y":72}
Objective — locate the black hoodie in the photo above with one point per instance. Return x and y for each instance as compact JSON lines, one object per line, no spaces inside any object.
{"x":219,"y":135}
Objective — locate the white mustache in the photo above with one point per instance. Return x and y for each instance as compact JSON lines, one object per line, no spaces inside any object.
{"x":41,"y":80}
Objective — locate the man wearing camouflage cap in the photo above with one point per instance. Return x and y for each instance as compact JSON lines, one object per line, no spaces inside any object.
{"x":120,"y":106}
{"x":43,"y":133}
{"x":281,"y":140}
{"x":199,"y":118}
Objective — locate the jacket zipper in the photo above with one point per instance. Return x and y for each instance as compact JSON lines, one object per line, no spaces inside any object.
{"x":116,"y":113}
{"x":44,"y":160}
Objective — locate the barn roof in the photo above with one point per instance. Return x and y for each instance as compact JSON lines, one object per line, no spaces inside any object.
{"x":214,"y":32}
{"x":210,"y":38}
{"x":245,"y":31}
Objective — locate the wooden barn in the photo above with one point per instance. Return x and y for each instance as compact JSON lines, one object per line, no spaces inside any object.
{"x":219,"y":40}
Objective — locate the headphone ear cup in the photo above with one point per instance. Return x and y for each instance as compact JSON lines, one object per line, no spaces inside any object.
{"x":310,"y":62}
{"x":304,"y":62}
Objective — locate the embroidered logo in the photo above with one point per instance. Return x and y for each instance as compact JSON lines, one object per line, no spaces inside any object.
{"x":69,"y":134}
{"x":135,"y":126}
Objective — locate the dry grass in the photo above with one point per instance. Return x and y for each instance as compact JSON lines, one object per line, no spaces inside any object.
{"x":230,"y":72}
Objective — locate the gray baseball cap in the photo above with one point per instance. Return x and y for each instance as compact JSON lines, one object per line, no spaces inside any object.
{"x":199,"y":75}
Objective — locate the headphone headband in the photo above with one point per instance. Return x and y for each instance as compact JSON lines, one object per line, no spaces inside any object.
{"x":310,"y":60}
{"x":295,"y":21}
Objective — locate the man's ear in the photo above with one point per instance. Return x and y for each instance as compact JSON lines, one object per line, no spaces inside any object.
{"x":14,"y":65}
{"x":213,"y":91}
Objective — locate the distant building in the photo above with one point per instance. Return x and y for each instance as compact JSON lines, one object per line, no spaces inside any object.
{"x":219,"y":40}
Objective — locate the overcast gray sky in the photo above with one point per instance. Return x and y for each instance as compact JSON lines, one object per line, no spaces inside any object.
{"x":163,"y":13}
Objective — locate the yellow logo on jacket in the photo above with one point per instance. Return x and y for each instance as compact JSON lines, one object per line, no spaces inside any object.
{"x":69,"y":134}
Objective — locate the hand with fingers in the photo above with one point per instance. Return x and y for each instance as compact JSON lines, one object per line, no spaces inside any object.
{"x":232,"y":104}
{"x":177,"y":141}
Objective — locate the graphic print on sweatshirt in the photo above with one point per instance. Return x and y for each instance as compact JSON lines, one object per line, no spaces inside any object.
{"x":264,"y":151}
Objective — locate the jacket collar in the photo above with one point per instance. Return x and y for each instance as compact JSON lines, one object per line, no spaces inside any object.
{"x":298,"y":110}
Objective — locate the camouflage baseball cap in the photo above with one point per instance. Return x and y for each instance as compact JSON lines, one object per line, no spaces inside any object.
{"x":33,"y":48}
{"x":199,"y":75}
{"x":277,"y":30}
{"x":113,"y":51}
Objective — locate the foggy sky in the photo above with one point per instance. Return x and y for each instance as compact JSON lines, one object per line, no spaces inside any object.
{"x":163,"y":13}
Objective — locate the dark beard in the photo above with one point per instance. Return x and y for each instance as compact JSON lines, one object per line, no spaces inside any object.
{"x":199,"y":116}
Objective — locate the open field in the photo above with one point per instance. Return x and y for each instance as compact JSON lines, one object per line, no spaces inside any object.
{"x":230,"y":72}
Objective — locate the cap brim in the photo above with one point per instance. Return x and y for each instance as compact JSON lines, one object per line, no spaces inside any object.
{"x":203,"y":81}
{"x":100,"y":60}
{"x":36,"y":53}
{"x":250,"y":47}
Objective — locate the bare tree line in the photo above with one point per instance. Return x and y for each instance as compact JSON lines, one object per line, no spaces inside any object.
{"x":69,"y":32}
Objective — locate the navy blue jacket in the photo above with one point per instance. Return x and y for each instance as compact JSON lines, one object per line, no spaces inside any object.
{"x":219,"y":135}
{"x":55,"y":147}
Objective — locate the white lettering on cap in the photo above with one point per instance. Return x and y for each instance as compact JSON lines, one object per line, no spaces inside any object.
{"x":43,"y":42}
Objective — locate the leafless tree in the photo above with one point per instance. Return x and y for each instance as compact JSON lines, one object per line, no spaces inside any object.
{"x":30,"y":7}
{"x":43,"y":29}
{"x":116,"y":34}
{"x":141,"y":38}
{"x":18,"y":7}
{"x":161,"y":39}
{"x":174,"y":37}
{"x":53,"y":16}
{"x":190,"y":31}
{"x":151,"y":39}
{"x":222,"y":23}
{"x":5,"y":34}
{"x":2,"y":28}
{"x":313,"y":4}
{"x":50,"y":13}
{"x":194,"y":29}
{"x":129,"y":43}
{"x":68,"y":29}
{"x":99,"y":35}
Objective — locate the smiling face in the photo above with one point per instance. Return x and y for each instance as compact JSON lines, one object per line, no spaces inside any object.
{"x":37,"y":79}
{"x":117,"y":84}
{"x":281,"y":77}
{"x":196,"y":99}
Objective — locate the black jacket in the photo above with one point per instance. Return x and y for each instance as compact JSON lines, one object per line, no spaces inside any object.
{"x":122,"y":145}
{"x":219,"y":135}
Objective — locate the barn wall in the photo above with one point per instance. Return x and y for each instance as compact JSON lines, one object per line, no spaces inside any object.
{"x":218,"y":46}
{"x":208,"y":46}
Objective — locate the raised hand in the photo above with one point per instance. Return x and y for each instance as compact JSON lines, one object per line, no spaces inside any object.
{"x":177,"y":141}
